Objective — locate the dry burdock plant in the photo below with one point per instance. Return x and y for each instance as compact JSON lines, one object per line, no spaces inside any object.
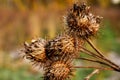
{"x":57,"y":56}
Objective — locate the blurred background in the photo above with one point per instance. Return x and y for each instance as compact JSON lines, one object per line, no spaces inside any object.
{"x":23,"y":20}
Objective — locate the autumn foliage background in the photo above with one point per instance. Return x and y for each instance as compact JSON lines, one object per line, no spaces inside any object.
{"x":23,"y":20}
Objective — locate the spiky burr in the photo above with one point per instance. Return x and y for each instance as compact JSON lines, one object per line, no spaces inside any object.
{"x":59,"y":71}
{"x":35,"y":52}
{"x":62,"y":47}
{"x":81,"y":22}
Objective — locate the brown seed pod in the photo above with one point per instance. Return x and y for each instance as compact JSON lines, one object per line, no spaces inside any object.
{"x":81,"y":22}
{"x":35,"y":52}
{"x":62,"y":46}
{"x":59,"y":71}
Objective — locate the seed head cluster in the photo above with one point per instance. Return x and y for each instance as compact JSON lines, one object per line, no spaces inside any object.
{"x":56,"y":56}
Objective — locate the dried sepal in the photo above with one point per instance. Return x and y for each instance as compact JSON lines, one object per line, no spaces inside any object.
{"x":81,"y":22}
{"x":59,"y":71}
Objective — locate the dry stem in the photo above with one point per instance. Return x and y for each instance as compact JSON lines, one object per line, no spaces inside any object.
{"x":95,"y":56}
{"x":94,"y":67}
{"x":91,"y":74}
{"x":100,"y":62}
{"x":115,"y":66}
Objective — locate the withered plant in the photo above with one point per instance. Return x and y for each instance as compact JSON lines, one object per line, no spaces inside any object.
{"x":57,"y":56}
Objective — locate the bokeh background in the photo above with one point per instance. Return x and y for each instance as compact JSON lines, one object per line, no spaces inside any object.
{"x":23,"y":20}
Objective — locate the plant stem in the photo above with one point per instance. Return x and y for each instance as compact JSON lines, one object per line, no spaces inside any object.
{"x":94,"y":67}
{"x":100,"y":53}
{"x":98,"y":62}
{"x":92,"y":54}
{"x":95,"y":56}
{"x":91,"y":74}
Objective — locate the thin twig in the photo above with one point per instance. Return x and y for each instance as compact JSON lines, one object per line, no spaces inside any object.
{"x":92,"y":45}
{"x":94,"y":67}
{"x":96,"y":61}
{"x":100,"y":53}
{"x":84,"y":50}
{"x":90,"y":53}
{"x":96,"y":71}
{"x":96,"y":56}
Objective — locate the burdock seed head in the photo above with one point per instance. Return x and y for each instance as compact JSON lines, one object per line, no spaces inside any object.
{"x":35,"y":52}
{"x":62,"y":45}
{"x":81,"y":22}
{"x":58,"y":71}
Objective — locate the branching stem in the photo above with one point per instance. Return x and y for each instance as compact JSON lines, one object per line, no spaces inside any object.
{"x":115,"y":66}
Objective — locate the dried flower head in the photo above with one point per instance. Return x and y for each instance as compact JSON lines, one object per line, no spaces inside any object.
{"x":35,"y":52}
{"x":61,"y":46}
{"x":81,"y":22}
{"x":59,"y":71}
